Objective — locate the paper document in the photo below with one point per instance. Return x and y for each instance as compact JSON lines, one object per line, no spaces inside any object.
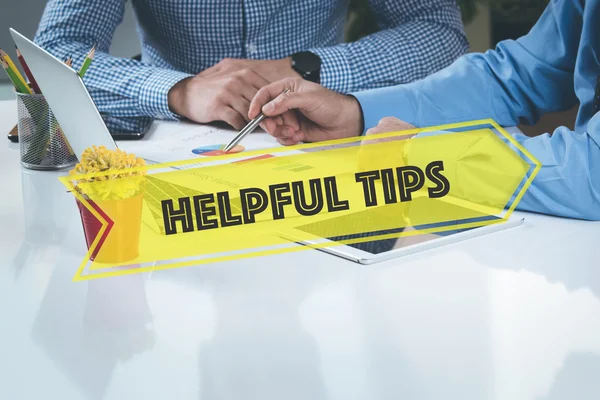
{"x":179,"y":141}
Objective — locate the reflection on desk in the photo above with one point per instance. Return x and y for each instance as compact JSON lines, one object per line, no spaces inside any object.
{"x":87,"y":340}
{"x":513,"y":315}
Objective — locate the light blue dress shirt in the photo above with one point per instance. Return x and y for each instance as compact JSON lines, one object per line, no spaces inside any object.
{"x":550,"y":69}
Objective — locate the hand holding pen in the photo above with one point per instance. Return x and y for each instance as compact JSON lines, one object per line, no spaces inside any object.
{"x":252,"y":125}
{"x":307,"y":113}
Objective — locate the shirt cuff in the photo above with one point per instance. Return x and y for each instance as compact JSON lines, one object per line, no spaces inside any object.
{"x":154,"y":93}
{"x":336,"y":73}
{"x":394,"y":101}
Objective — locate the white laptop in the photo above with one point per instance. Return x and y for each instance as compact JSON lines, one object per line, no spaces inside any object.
{"x":70,"y":100}
{"x":67,"y":96}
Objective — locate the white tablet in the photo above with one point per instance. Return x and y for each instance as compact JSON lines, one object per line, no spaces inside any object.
{"x":365,"y":251}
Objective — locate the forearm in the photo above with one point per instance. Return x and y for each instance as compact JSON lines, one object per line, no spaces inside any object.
{"x":416,"y":41}
{"x":515,"y":83}
{"x":121,"y":87}
{"x":505,"y":85}
{"x":462,"y":92}
{"x":568,"y":183}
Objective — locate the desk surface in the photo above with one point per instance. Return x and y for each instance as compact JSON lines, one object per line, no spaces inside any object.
{"x":514,"y":315}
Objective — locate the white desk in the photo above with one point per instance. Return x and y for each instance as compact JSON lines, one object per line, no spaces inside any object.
{"x":511,"y":316}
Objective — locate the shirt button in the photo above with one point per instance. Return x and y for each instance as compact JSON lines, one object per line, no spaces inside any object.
{"x":251,"y":48}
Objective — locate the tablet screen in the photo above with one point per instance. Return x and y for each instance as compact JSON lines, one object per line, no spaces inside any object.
{"x":380,"y":246}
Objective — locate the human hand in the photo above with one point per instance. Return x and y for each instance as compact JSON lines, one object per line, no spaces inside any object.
{"x":370,"y":155}
{"x":390,"y":124}
{"x":271,"y":70}
{"x":308,"y":113}
{"x":216,"y":97}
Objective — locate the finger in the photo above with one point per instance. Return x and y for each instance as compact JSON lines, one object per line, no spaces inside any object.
{"x":290,"y":118}
{"x":296,"y":138}
{"x":247,"y":91}
{"x":269,"y":125}
{"x":394,"y":124}
{"x":299,"y":136}
{"x":240,"y":90}
{"x":369,"y":140}
{"x":250,"y":83}
{"x":232,"y":117}
{"x":373,"y":131}
{"x":384,"y":127}
{"x":284,"y":132}
{"x":289,"y":101}
{"x":389,"y":120}
{"x":240,"y":105}
{"x":286,"y":141}
{"x":268,"y":93}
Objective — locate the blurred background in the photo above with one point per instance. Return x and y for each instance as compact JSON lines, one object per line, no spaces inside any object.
{"x":486,"y":21}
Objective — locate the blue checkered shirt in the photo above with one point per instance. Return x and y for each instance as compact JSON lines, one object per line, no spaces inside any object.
{"x":181,"y":38}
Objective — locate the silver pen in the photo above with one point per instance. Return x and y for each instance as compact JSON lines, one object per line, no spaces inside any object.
{"x":247,"y":129}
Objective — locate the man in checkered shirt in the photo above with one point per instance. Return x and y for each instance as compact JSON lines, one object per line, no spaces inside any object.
{"x":205,"y":60}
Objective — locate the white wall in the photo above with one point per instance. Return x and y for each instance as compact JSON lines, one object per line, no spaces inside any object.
{"x":24,"y":16}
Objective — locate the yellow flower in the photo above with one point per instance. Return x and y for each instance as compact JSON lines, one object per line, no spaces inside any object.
{"x":116,"y":184}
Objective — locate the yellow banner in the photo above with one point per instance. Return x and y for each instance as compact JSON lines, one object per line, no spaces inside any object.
{"x":263,"y":202}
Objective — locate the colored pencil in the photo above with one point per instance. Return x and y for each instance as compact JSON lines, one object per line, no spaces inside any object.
{"x":34,"y":84}
{"x":19,"y":86}
{"x":87,"y":62}
{"x":12,"y":67}
{"x":4,"y":65}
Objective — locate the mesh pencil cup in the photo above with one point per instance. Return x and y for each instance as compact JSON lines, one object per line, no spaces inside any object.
{"x":42,"y":142}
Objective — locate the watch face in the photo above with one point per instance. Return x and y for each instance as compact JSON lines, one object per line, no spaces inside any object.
{"x":308,"y":65}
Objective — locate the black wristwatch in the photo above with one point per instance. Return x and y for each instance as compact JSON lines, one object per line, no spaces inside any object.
{"x":308,"y":65}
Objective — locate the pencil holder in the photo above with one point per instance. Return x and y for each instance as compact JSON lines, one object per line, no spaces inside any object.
{"x":43,"y":144}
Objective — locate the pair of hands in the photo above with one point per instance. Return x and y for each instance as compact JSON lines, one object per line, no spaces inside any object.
{"x":224,"y":91}
{"x":236,"y":91}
